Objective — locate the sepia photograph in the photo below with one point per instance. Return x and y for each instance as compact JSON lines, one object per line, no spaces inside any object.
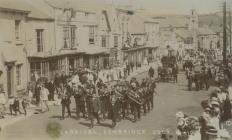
{"x":115,"y":69}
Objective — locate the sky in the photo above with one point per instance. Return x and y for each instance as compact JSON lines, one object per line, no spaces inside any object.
{"x":164,"y":6}
{"x":174,"y":6}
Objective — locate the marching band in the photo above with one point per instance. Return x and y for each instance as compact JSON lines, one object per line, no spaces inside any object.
{"x":96,"y":99}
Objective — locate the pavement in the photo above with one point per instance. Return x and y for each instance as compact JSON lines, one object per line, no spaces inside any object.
{"x":11,"y":119}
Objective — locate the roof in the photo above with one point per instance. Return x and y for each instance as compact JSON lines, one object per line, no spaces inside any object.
{"x":54,"y":53}
{"x":94,"y":50}
{"x":137,"y":21}
{"x":205,"y":31}
{"x":14,"y":5}
{"x":210,"y":20}
{"x":139,"y":48}
{"x":185,"y":33}
{"x":216,"y":29}
{"x":174,"y":21}
{"x":78,"y":5}
{"x":166,"y":36}
{"x":36,"y":9}
{"x":136,"y":25}
{"x":39,"y":9}
{"x":89,"y":50}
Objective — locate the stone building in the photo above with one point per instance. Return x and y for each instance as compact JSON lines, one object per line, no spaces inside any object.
{"x":13,"y":61}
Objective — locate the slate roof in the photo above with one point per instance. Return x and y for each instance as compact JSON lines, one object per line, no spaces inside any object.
{"x":136,"y":25}
{"x":14,"y":5}
{"x":174,"y":21}
{"x":205,"y":31}
{"x":36,"y":9}
{"x":185,"y":33}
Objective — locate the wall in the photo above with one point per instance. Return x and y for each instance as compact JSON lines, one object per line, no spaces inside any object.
{"x":12,"y":50}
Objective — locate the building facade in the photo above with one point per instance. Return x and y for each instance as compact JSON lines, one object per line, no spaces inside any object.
{"x":13,"y":61}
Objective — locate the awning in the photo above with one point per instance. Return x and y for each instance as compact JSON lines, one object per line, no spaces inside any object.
{"x":94,"y":50}
{"x":64,"y":52}
{"x":139,"y":48}
{"x":54,"y":54}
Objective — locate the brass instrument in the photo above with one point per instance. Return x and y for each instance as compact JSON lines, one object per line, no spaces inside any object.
{"x":134,"y":97}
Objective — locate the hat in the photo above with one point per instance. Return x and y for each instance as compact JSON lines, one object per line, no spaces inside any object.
{"x":179,"y":114}
{"x":207,"y":109}
{"x":215,"y":103}
{"x":214,"y":99}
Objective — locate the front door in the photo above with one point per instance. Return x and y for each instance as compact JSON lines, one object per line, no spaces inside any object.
{"x":71,"y":65}
{"x":10,"y":80}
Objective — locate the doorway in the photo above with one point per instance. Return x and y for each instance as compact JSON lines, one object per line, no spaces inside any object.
{"x":10,"y":87}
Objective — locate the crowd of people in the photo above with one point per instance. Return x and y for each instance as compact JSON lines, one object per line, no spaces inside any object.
{"x":216,"y":109}
{"x":91,"y":96}
{"x":211,"y":124}
{"x":100,"y":100}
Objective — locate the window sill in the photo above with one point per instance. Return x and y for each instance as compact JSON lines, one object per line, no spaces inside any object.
{"x":18,"y":42}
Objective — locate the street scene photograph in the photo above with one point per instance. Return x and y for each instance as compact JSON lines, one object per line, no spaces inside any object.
{"x":116,"y":69}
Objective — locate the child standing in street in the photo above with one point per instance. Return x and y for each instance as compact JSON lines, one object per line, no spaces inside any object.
{"x":24,"y":105}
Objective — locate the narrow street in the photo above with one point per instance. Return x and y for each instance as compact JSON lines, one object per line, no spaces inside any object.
{"x":170,"y":99}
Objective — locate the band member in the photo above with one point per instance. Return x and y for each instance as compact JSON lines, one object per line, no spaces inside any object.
{"x":93,"y":104}
{"x":104,"y":97}
{"x":79,"y":100}
{"x":134,"y":105}
{"x":65,"y":102}
{"x":113,"y":109}
{"x":124,"y":102}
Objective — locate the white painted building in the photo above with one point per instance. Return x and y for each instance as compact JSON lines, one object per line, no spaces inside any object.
{"x":13,"y":62}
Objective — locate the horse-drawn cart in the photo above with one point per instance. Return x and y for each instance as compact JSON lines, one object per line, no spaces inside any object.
{"x":165,"y":72}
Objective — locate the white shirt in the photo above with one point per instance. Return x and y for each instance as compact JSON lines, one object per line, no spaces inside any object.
{"x":30,"y":94}
{"x":195,"y":136}
{"x":76,"y":79}
{"x":44,"y":94}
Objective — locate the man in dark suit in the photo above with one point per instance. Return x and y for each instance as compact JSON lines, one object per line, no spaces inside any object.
{"x":93,"y":105}
{"x":51,"y":89}
{"x":113,"y":109}
{"x":65,"y":102}
{"x":79,"y":100}
{"x":151,"y":72}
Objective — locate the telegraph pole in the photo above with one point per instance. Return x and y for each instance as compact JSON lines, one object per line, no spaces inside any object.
{"x":224,"y":34}
{"x":230,"y":30}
